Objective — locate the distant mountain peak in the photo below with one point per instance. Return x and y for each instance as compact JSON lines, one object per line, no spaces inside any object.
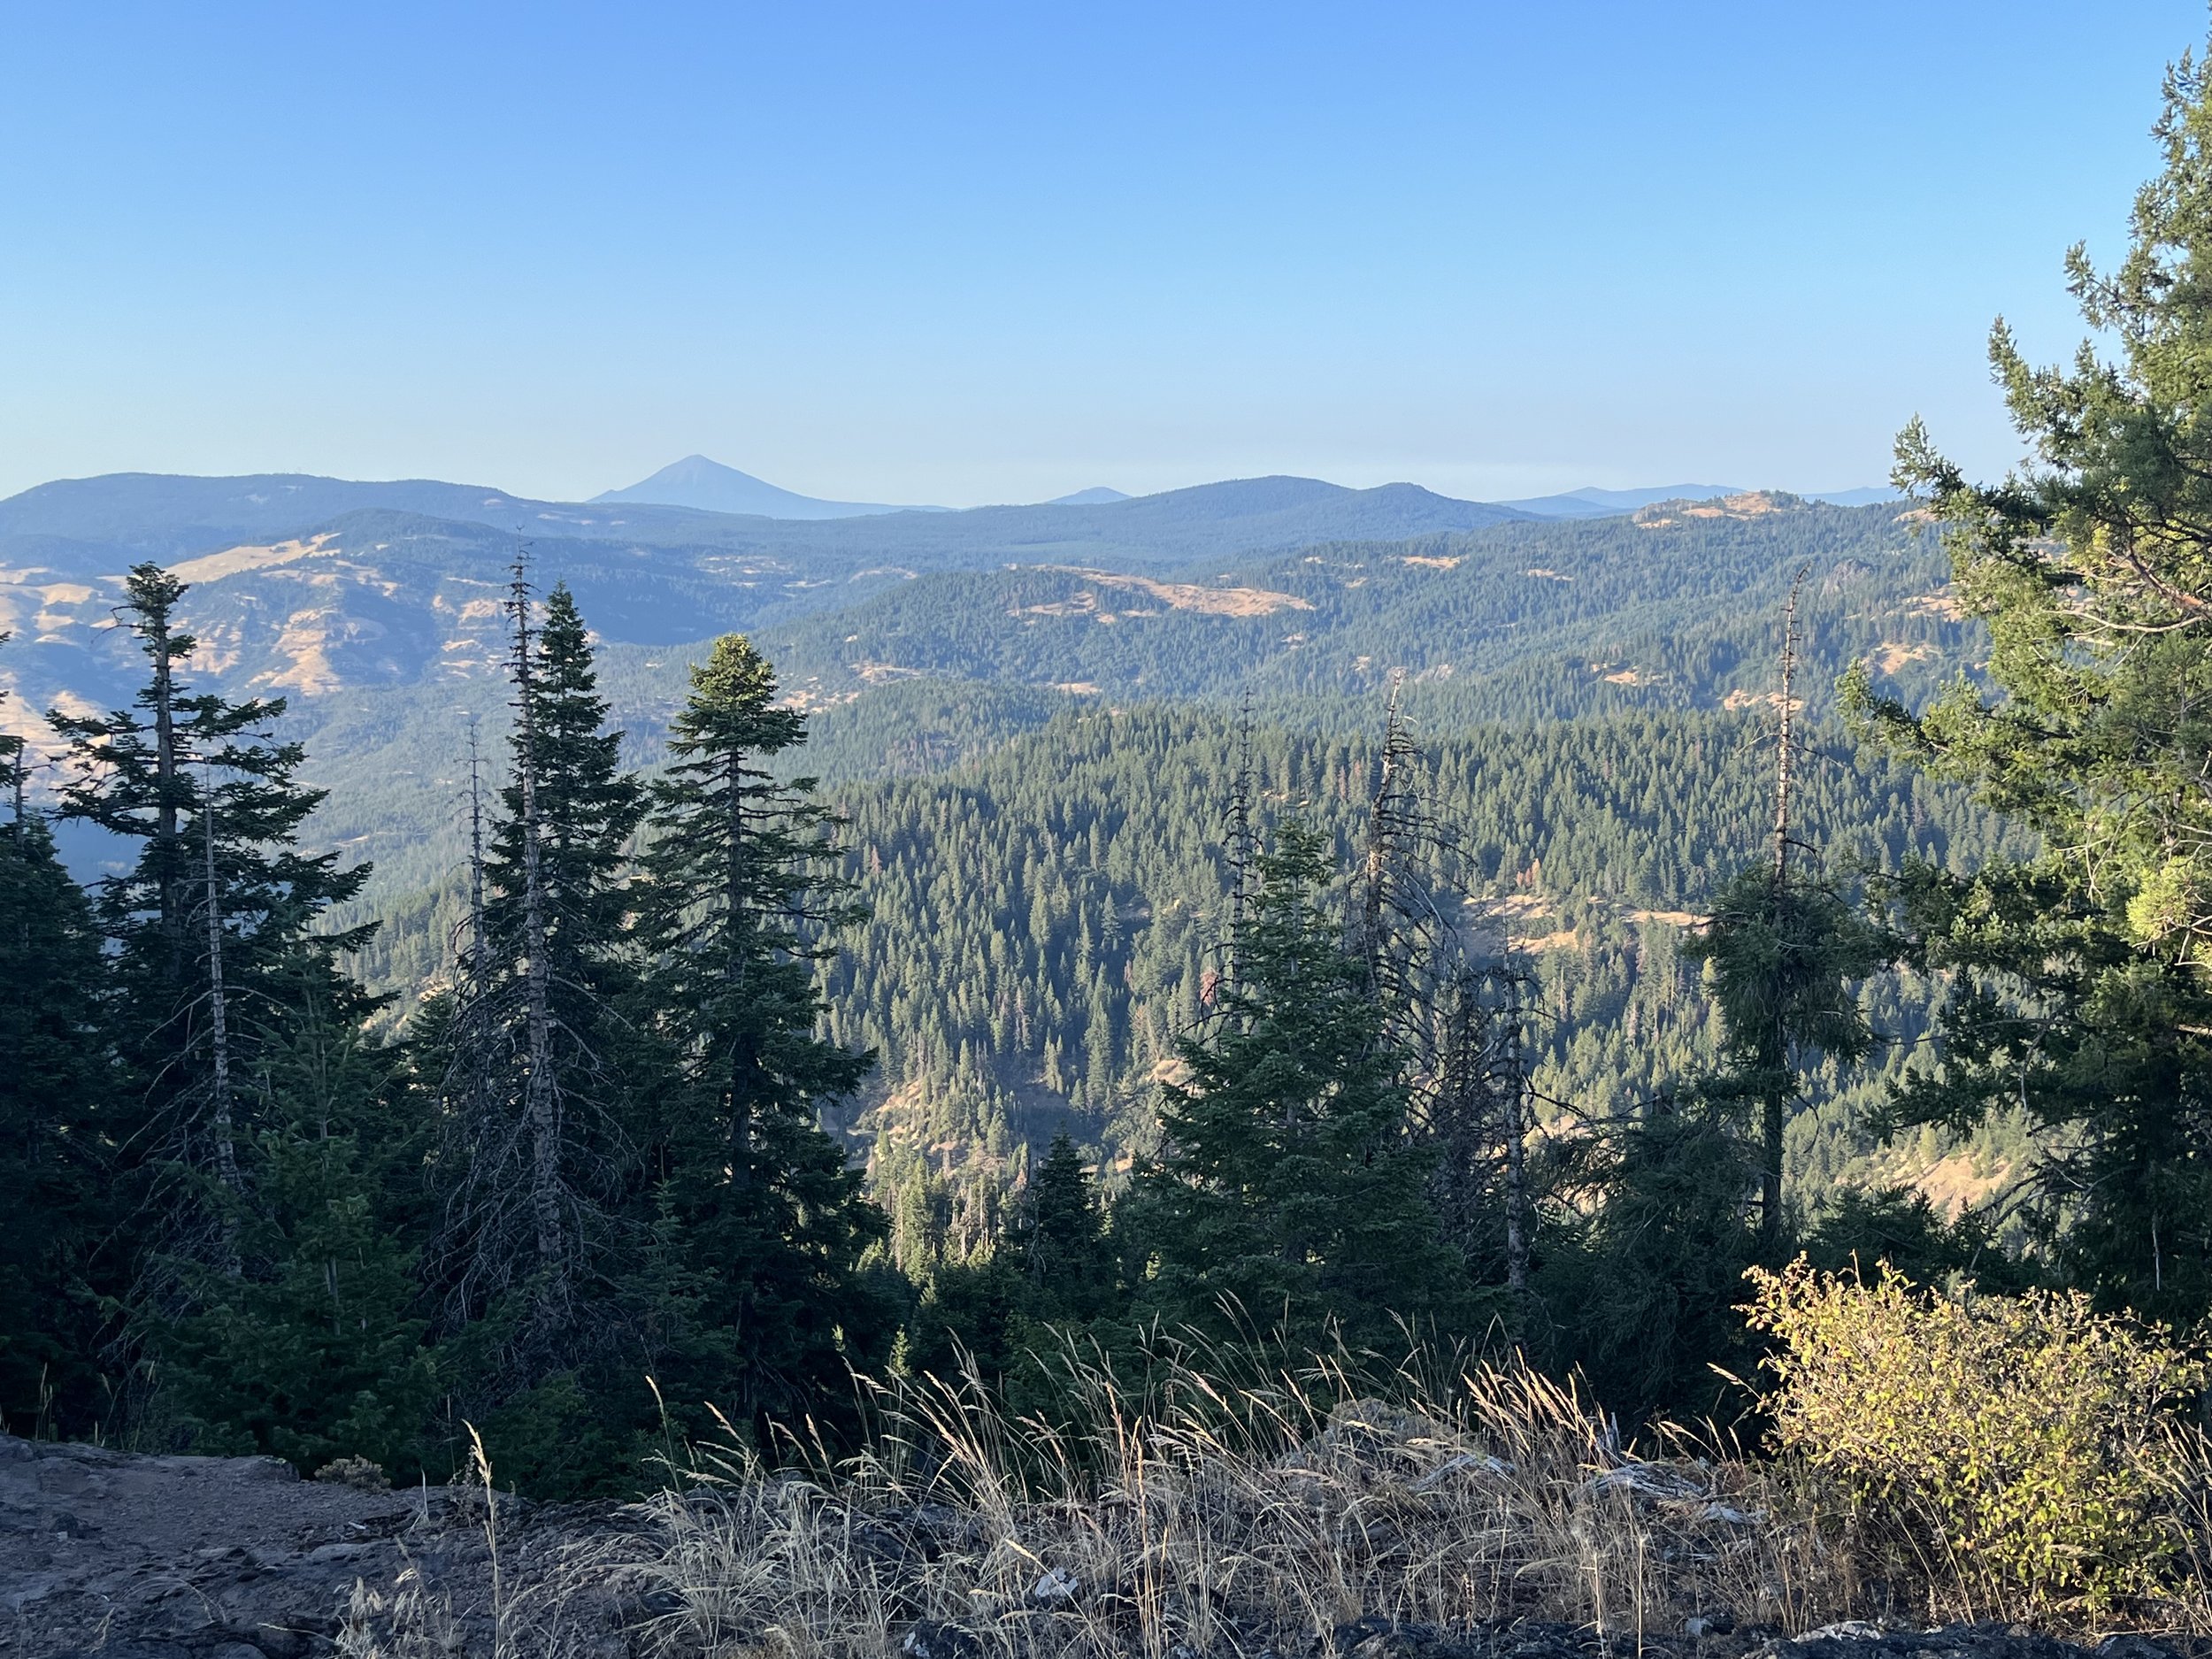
{"x":706,"y":485}
{"x":1097,"y":495}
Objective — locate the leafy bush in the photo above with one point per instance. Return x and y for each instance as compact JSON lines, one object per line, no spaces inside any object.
{"x":2028,"y":1450}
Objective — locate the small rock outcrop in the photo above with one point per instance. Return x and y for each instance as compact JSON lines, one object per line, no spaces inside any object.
{"x":137,"y":1557}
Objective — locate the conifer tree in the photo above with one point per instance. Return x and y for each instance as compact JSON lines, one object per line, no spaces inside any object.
{"x":1058,"y":1243}
{"x":1644,"y":1274}
{"x":226,"y":974}
{"x":1784,"y":946}
{"x":54,"y":1151}
{"x":319,"y":1351}
{"x":2083,"y":979}
{"x":220,"y":910}
{"x":738,"y":908}
{"x":1475,"y":1120}
{"x":1286,"y":1189}
{"x":541,"y":1223}
{"x":1785,"y":950}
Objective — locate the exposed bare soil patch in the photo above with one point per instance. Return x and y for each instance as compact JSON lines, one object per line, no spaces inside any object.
{"x":1213,"y":601}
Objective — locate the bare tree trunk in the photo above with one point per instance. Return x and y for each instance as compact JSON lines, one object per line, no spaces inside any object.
{"x":1243,"y":853}
{"x":165,"y":824}
{"x":741,"y":1054}
{"x":1774,"y":1108}
{"x":1390,"y":829}
{"x":1783,"y":749}
{"x":541,"y":1084}
{"x":1516,"y":1093}
{"x":217,"y":1001}
{"x":477,"y":941}
{"x":221,"y":1121}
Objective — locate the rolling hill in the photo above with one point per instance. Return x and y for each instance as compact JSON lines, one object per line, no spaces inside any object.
{"x":1671,"y":608}
{"x":383,"y":626}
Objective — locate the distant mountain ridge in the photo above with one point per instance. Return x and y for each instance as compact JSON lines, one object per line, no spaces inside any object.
{"x":88,"y":526}
{"x":307,"y":586}
{"x":83,"y":528}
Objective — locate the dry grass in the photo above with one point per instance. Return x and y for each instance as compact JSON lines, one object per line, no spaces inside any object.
{"x":1199,"y":1516}
{"x":1205,"y":1509}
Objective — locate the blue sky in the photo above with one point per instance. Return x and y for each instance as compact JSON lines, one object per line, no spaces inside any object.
{"x":962,"y":253}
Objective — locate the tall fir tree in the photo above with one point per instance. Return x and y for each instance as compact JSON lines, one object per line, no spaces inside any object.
{"x":740,"y":905}
{"x":1059,"y":1244}
{"x":1782,"y":946}
{"x":1784,"y":949}
{"x":1286,"y":1190}
{"x":2082,"y":979}
{"x":224,"y":970}
{"x":216,"y":928}
{"x":543,"y":1222}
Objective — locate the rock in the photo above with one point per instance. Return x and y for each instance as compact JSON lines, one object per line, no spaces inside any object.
{"x":134,"y":1558}
{"x":1058,"y":1588}
{"x":1400,"y":1643}
{"x":932,"y":1640}
{"x":1375,"y":1637}
{"x":1858,"y":1639}
{"x":2132,"y":1647}
{"x":1647,"y":1481}
{"x":1727,"y":1516}
{"x":1700,"y":1625}
{"x":1365,"y":1434}
{"x":1466,"y":1463}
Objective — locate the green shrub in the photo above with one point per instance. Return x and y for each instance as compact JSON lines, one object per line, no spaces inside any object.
{"x":2028,"y":1451}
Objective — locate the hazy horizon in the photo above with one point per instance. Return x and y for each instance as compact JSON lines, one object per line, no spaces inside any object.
{"x":1636,"y":488}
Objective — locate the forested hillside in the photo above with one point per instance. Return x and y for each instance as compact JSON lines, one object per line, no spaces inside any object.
{"x":1037,"y":823}
{"x":1680,"y":611}
{"x":1042,"y":866}
{"x":1041,"y":919}
{"x":1043,"y":922}
{"x":1676,"y":607}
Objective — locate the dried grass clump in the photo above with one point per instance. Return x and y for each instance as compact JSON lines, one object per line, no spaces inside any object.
{"x":1201,"y":1513}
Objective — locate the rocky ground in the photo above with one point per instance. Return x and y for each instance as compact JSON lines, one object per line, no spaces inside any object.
{"x":134,"y":1558}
